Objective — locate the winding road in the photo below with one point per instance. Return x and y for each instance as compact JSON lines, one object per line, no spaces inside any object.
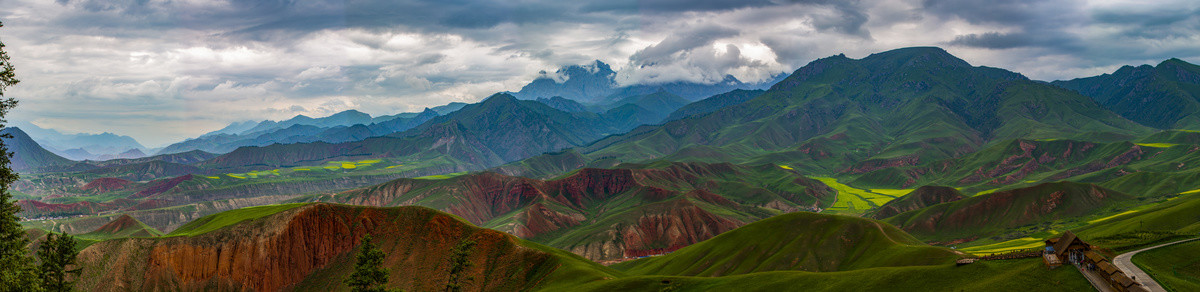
{"x":1125,"y":263}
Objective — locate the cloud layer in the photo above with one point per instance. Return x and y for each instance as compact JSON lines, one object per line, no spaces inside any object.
{"x":163,"y":70}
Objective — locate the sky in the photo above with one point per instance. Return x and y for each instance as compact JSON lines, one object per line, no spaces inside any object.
{"x":161,"y":71}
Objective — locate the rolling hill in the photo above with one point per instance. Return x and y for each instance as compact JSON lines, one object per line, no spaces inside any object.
{"x":121,"y":227}
{"x":610,"y":213}
{"x":920,"y":198}
{"x":987,"y":214}
{"x":822,"y":243}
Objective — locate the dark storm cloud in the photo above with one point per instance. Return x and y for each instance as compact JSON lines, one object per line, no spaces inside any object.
{"x":1152,"y":23}
{"x":1033,"y":23}
{"x":641,"y":6}
{"x":849,"y":18}
{"x":681,"y":41}
{"x":209,"y":60}
{"x":997,"y":40}
{"x":1094,"y":33}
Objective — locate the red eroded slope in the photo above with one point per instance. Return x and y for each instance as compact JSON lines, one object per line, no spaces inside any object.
{"x":161,"y":186}
{"x":298,"y":247}
{"x":51,"y":209}
{"x":105,"y":184}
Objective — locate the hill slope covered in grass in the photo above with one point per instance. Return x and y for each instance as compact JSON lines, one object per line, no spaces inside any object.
{"x":988,"y":214}
{"x":121,"y":227}
{"x":1174,"y":218}
{"x":610,"y":213}
{"x":922,"y":197}
{"x":1010,"y":275}
{"x":799,"y":241}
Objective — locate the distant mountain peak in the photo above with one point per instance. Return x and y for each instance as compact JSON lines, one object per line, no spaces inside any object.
{"x":925,"y":56}
{"x":595,"y":68}
{"x":500,"y":98}
{"x":1174,"y":61}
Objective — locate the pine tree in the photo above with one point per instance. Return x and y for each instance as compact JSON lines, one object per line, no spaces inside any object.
{"x":369,"y":274}
{"x":459,"y":263}
{"x":56,"y":254}
{"x":16,"y":268}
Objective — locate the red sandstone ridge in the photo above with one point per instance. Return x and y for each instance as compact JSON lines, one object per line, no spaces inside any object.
{"x":105,"y":184}
{"x":310,"y":247}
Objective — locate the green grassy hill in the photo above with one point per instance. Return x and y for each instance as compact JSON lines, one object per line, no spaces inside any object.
{"x":1160,"y":163}
{"x":1011,"y":275}
{"x":920,"y":198}
{"x":1160,"y":222}
{"x":610,"y":213}
{"x":121,"y":227}
{"x":990,"y":214}
{"x":799,"y":241}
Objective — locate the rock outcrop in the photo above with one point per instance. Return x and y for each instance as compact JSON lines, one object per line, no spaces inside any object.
{"x":310,"y":248}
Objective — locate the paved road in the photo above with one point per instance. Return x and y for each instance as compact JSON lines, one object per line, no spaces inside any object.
{"x":1125,"y":263}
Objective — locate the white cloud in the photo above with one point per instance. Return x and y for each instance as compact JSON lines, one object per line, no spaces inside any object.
{"x":165,"y":70}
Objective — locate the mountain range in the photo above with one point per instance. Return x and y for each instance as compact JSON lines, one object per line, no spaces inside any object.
{"x":77,"y":147}
{"x":596,"y":83}
{"x":1166,"y":96}
{"x":897,"y":108}
{"x":878,"y":173}
{"x":345,"y":126}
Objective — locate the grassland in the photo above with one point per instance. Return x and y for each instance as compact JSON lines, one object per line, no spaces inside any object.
{"x":1008,"y":275}
{"x":441,"y":176}
{"x":216,"y":221}
{"x":1105,"y":218}
{"x":851,"y":200}
{"x":331,"y":166}
{"x":1176,"y":267}
{"x":826,"y":243}
{"x":1168,"y":220}
{"x":1023,"y":243}
{"x":1156,"y":145}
